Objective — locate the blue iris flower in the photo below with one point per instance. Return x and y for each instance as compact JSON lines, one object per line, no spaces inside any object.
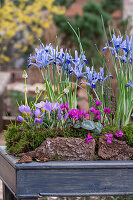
{"x":63,"y":58}
{"x":79,"y":59}
{"x":47,"y":55}
{"x":101,"y":75}
{"x":128,"y":46}
{"x":129,"y":84}
{"x":78,"y":70}
{"x":127,"y":53}
{"x":118,"y":44}
{"x":92,"y":77}
{"x":69,"y":68}
{"x":41,"y":57}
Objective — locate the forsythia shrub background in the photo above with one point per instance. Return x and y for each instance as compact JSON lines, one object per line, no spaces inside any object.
{"x":21,"y":22}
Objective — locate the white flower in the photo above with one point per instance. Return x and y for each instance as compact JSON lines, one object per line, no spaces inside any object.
{"x":37,"y":90}
{"x":66,"y":91}
{"x":24,"y":75}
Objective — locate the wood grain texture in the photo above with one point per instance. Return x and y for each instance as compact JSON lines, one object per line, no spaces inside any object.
{"x":75,"y":181}
{"x":73,"y":178}
{"x":8,"y":173}
{"x":7,"y":195}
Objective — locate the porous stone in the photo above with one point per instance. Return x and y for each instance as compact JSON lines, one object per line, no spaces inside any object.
{"x":117,"y":150}
{"x":64,"y":149}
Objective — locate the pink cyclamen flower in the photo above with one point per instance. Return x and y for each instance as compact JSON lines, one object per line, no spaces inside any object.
{"x":120,"y":134}
{"x":98,"y":103}
{"x":109,"y":138}
{"x":86,"y":114}
{"x":107,"y":110}
{"x":109,"y":135}
{"x":98,"y":117}
{"x":97,"y":112}
{"x":63,"y":107}
{"x":89,"y":138}
{"x":92,"y":109}
{"x":77,"y":114}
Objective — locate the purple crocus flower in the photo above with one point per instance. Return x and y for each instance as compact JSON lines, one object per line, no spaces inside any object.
{"x":25,"y":110}
{"x":89,"y":138}
{"x":37,"y":113}
{"x":120,"y":134}
{"x":48,"y":106}
{"x":22,"y":108}
{"x":38,"y":120}
{"x":40,"y":105}
{"x":66,"y":116}
{"x":107,"y":110}
{"x":20,"y":118}
{"x":56,"y":105}
{"x":59,"y":116}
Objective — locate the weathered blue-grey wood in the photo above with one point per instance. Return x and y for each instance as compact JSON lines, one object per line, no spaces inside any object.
{"x":58,"y":178}
{"x":7,"y":194}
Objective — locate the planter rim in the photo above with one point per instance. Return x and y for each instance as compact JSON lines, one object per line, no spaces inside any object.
{"x":66,"y":164}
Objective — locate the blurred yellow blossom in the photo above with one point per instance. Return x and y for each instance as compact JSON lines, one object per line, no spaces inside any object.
{"x":24,"y":22}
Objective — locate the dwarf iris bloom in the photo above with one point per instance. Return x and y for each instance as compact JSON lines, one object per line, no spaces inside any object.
{"x":129,"y":84}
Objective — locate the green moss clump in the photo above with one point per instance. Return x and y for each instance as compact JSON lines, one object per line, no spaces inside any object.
{"x":21,"y":138}
{"x":128,"y":134}
{"x":109,"y":129}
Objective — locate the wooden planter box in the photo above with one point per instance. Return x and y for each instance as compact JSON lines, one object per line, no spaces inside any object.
{"x":58,"y":178}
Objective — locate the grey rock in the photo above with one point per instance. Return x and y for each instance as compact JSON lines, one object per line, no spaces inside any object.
{"x":117,"y":150}
{"x":66,"y":149}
